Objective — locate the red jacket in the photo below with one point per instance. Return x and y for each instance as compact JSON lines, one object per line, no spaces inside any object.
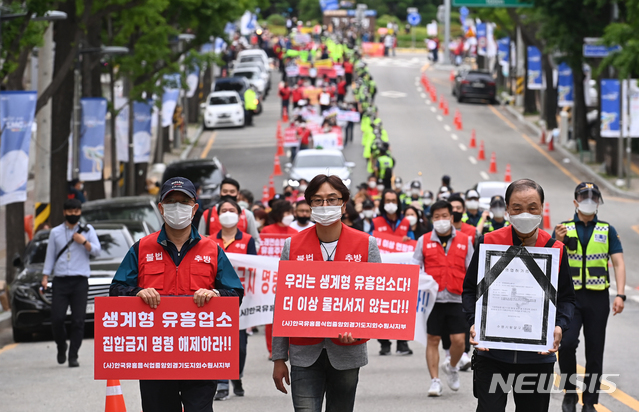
{"x":285,"y":93}
{"x":341,"y":87}
{"x":238,"y":245}
{"x":448,"y":270}
{"x":348,"y":67}
{"x":156,"y":269}
{"x":382,"y":225}
{"x":298,"y":94}
{"x":504,"y":236}
{"x":279,"y":230}
{"x":214,"y":225}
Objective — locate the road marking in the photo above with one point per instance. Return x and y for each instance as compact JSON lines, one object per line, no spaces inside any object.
{"x":432,"y":109}
{"x":618,"y":394}
{"x":539,"y":149}
{"x":598,"y":407}
{"x":427,"y":101}
{"x":635,"y":228}
{"x":419,"y":89}
{"x":484,"y":175}
{"x":447,"y":128}
{"x":8,"y":347}
{"x":463,"y":147}
{"x":454,"y":136}
{"x":423,"y":95}
{"x":209,"y":144}
{"x":472,"y":160}
{"x":440,"y":118}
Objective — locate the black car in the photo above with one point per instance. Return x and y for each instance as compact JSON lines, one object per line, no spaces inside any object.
{"x":209,"y":173}
{"x":474,"y":84}
{"x":140,"y":208}
{"x":31,"y":306}
{"x":239,"y":85}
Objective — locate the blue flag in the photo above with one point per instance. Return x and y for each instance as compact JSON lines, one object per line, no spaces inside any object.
{"x":17,"y":111}
{"x":564,"y":86}
{"x":610,"y":110}
{"x":535,"y":81}
{"x":92,"y":132}
{"x":481,"y":39}
{"x":170,"y":98}
{"x":142,"y":131}
{"x":503,"y":50}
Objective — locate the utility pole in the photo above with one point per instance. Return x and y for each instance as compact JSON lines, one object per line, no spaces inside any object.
{"x":521,"y":70}
{"x":446,"y":32}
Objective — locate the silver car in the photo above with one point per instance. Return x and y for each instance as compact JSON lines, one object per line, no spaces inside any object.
{"x":312,"y":162}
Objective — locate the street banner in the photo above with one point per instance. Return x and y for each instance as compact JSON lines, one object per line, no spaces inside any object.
{"x":339,"y":70}
{"x":564,"y":86}
{"x":248,"y":23}
{"x":481,"y":39}
{"x":329,"y":5}
{"x":373,"y":49}
{"x":327,"y":141}
{"x":322,"y":299}
{"x":170,"y":98}
{"x":503,"y":50}
{"x":491,"y":45}
{"x":534,"y":71}
{"x":516,"y":297}
{"x":142,"y":131}
{"x":122,"y":127}
{"x":176,"y":341}
{"x":633,"y":107}
{"x":271,"y":244}
{"x":348,"y":116}
{"x":93,"y":128}
{"x":290,"y":137}
{"x":192,"y":80}
{"x":17,"y":112}
{"x":610,"y":108}
{"x":388,"y":243}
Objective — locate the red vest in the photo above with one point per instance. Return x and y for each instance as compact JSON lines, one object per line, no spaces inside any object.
{"x":238,"y":245}
{"x":470,"y":230}
{"x":156,"y":269}
{"x":382,"y":225}
{"x":504,"y":236}
{"x":352,"y":247}
{"x":348,"y":67}
{"x":214,"y":225}
{"x":448,"y":270}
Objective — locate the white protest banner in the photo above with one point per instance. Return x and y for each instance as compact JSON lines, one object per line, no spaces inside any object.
{"x":348,"y":116}
{"x":326,"y":141}
{"x":292,"y":70}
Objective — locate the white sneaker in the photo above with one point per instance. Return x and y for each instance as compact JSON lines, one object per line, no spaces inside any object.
{"x":435,"y":388}
{"x":464,"y":362}
{"x":452,"y":376}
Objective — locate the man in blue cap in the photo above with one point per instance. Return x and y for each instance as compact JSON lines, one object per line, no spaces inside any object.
{"x":176,"y":245}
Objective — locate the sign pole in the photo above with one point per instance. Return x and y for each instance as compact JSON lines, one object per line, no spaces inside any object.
{"x":412,"y":30}
{"x":446,"y":32}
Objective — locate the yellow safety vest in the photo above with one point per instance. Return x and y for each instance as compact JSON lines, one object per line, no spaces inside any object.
{"x":595,"y":259}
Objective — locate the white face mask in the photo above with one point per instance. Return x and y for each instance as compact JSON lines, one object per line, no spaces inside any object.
{"x":287,"y":220}
{"x":243,"y":204}
{"x":326,"y":215}
{"x":412,"y":219}
{"x":302,"y":188}
{"x":472,"y":204}
{"x":380,"y":188}
{"x":525,"y":223}
{"x":588,"y":207}
{"x":498,"y":212}
{"x":229,"y":219}
{"x":177,"y":215}
{"x":390,"y":208}
{"x":372,"y":184}
{"x":415,"y":192}
{"x":442,"y":226}
{"x":368,"y":214}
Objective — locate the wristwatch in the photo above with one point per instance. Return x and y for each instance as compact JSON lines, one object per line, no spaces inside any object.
{"x":218,"y":294}
{"x":623,"y":297}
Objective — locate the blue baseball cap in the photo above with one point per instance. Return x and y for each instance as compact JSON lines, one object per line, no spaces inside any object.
{"x":180,"y":184}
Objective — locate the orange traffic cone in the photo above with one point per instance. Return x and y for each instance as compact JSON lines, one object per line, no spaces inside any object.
{"x":542,"y":136}
{"x":441,"y":101}
{"x":285,"y":115}
{"x":473,"y":139}
{"x":277,"y":168}
{"x":265,"y":195}
{"x":433,"y":96}
{"x":271,"y":188}
{"x":452,"y":76}
{"x":508,"y":177}
{"x":482,"y":153}
{"x":547,"y":216}
{"x":551,"y":143}
{"x":458,"y":120}
{"x":493,"y":163}
{"x":114,"y":398}
{"x":280,"y":148}
{"x":445,"y":107}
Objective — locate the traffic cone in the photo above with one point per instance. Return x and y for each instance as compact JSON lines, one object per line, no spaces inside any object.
{"x":551,"y":143}
{"x":482,"y":153}
{"x":547,"y":216}
{"x":285,"y":115}
{"x":445,"y":107}
{"x":114,"y":398}
{"x":508,"y":177}
{"x":271,"y":188}
{"x":441,"y":102}
{"x":452,"y":76}
{"x":473,"y":139}
{"x":265,"y":195}
{"x":542,"y":137}
{"x":493,"y":163}
{"x":458,"y":120}
{"x":280,"y":148}
{"x":277,"y":168}
{"x":433,"y":96}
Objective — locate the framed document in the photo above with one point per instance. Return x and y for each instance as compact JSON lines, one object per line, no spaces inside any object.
{"x":516,"y":297}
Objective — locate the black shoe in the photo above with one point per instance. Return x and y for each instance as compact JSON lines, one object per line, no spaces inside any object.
{"x":73,"y":363}
{"x":403,"y":349}
{"x":62,"y":354}
{"x":588,"y":408}
{"x":570,"y":403}
{"x":238,"y":390}
{"x":222,"y":395}
{"x":385,"y":350}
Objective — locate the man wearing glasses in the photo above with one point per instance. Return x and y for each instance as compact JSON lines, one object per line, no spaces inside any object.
{"x":163,"y":254}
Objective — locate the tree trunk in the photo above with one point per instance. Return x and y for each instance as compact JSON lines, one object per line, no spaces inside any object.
{"x":14,"y":231}
{"x":580,"y":130}
{"x":62,"y":107}
{"x":550,"y":95}
{"x":530,"y":100}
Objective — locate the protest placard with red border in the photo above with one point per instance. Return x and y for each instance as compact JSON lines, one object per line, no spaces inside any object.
{"x":271,"y":244}
{"x":388,"y":243}
{"x":177,"y":340}
{"x":290,"y":137}
{"x":322,"y":299}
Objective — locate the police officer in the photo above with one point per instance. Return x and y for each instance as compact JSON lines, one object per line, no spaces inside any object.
{"x":590,"y":243}
{"x":414,"y":195}
{"x":498,"y":210}
{"x":250,"y":105}
{"x":472,"y":215}
{"x":384,"y":166}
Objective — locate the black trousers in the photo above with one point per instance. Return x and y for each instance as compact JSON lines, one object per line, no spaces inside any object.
{"x":170,"y":396}
{"x":248,"y":117}
{"x":485,"y":370}
{"x":592,"y":308}
{"x":69,"y":291}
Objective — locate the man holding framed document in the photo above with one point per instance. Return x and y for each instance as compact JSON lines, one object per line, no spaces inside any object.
{"x":518,"y":297}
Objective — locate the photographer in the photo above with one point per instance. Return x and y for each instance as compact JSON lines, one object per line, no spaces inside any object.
{"x":67,"y":260}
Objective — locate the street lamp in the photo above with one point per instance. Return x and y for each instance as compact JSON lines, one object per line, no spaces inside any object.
{"x":108,"y":51}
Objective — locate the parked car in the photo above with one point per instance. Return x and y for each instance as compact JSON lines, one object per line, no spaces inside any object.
{"x":209,"y":173}
{"x":264,"y":72}
{"x":253,"y":55}
{"x":312,"y":162}
{"x":223,"y":109}
{"x":474,"y":84}
{"x":237,"y":84}
{"x":31,"y":306}
{"x":137,"y":228}
{"x":487,"y":190}
{"x":140,"y":208}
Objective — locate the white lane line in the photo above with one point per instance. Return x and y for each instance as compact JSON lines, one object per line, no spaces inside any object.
{"x":419,"y":89}
{"x":454,"y":136}
{"x":427,"y":101}
{"x":472,"y":160}
{"x":446,"y":127}
{"x":423,"y":95}
{"x":484,"y":175}
{"x":432,"y":109}
{"x":417,"y":79}
{"x":463,"y":147}
{"x":440,"y":118}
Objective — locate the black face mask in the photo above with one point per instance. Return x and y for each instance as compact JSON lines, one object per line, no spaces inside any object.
{"x":73,"y":219}
{"x":303,"y":219}
{"x":229,"y":197}
{"x":457,"y":217}
{"x":287,"y":194}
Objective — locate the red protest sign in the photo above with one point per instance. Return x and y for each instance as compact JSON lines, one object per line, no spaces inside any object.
{"x":177,"y":340}
{"x":271,"y":244}
{"x":323,"y":299}
{"x":290,"y":137}
{"x":388,"y":243}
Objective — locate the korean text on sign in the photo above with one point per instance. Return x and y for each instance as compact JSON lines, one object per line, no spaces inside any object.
{"x":322,"y":299}
{"x":177,"y":340}
{"x":393,"y":244}
{"x":272,"y":244}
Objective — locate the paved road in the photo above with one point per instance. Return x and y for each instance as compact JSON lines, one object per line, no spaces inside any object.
{"x":32,"y":381}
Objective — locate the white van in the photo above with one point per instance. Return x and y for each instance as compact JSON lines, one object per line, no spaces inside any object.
{"x":252,"y":55}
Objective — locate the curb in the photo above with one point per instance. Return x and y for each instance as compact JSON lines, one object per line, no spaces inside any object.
{"x":574,"y":159}
{"x":187,"y":151}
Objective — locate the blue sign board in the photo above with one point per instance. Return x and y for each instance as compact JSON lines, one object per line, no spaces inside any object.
{"x":414,"y":19}
{"x":534,"y":72}
{"x":463,"y":11}
{"x":599,"y":50}
{"x":564,"y":85}
{"x":610,"y":108}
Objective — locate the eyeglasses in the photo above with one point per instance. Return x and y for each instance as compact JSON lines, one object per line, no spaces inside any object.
{"x":333,"y":201}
